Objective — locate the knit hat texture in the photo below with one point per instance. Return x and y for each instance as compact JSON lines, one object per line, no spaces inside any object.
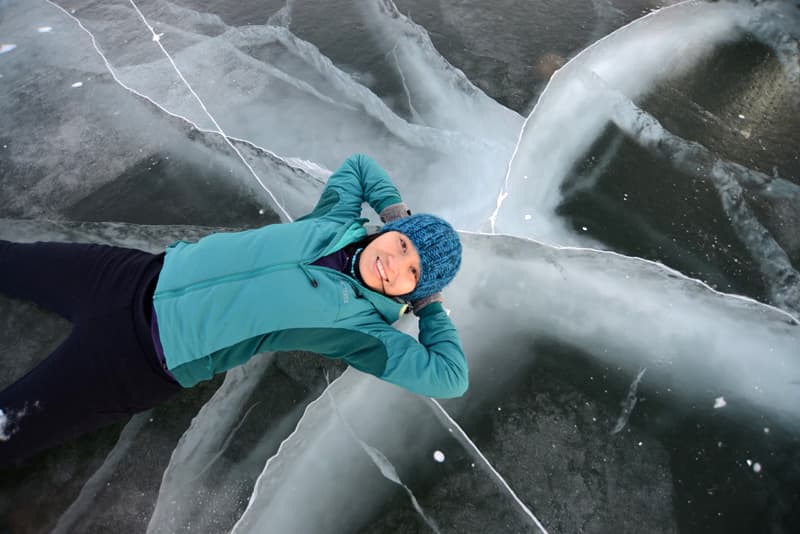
{"x":439,"y":251}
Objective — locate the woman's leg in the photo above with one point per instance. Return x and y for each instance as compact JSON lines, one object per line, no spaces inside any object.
{"x":55,"y":401}
{"x":107,"y":368}
{"x":60,"y":277}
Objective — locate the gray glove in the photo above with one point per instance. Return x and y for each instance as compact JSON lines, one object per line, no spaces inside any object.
{"x":394,"y":212}
{"x":417,"y":305}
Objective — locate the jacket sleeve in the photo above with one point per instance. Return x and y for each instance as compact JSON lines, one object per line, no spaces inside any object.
{"x":435,"y":366}
{"x":360,"y":179}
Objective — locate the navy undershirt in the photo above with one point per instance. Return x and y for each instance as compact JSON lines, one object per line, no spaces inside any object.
{"x":342,"y":259}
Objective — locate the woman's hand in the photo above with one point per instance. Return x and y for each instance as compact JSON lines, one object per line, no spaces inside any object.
{"x":394,"y":212}
{"x":417,"y":305}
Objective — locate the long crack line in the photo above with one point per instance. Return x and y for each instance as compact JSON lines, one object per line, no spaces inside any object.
{"x":383,"y":463}
{"x":503,"y":194}
{"x":228,"y":138}
{"x":157,"y":40}
{"x":673,"y":272}
{"x":284,"y":444}
{"x":452,"y":424}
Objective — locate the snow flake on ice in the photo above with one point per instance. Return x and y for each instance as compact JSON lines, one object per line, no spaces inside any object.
{"x":3,"y":424}
{"x":754,"y":465}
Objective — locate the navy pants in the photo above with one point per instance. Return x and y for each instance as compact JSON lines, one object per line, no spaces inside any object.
{"x":107,"y":368}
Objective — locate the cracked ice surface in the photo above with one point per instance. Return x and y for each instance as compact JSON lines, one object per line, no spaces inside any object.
{"x":635,"y":159}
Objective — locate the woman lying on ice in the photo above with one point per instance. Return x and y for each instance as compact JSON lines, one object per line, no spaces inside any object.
{"x":145,"y":326}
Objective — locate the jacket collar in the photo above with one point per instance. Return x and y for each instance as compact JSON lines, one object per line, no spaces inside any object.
{"x":391,"y":309}
{"x":349,"y":233}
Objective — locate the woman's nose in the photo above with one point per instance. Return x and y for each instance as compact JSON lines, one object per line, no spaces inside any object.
{"x":391,"y":261}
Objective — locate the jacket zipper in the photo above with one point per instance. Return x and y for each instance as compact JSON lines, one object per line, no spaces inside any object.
{"x":221,"y":279}
{"x":248,"y":274}
{"x":310,"y":276}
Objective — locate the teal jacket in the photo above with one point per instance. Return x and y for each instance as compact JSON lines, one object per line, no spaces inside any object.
{"x":229,"y":296}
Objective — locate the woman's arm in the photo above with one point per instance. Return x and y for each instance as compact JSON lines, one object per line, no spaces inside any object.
{"x":360,"y":179}
{"x":434,"y":366}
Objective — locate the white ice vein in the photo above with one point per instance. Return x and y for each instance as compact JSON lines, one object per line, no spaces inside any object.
{"x":450,"y":423}
{"x":228,"y":139}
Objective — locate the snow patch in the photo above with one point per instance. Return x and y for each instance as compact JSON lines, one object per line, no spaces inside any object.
{"x":3,"y":423}
{"x":44,"y":29}
{"x":8,"y":421}
{"x":719,"y":402}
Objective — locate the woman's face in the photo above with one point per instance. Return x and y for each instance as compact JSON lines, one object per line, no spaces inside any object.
{"x":390,"y":264}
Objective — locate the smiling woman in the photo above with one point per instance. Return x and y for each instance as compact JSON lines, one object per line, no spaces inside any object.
{"x":413,"y":257}
{"x":161,"y":322}
{"x":390,"y":264}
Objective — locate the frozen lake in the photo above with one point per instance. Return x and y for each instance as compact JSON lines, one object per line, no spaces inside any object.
{"x":626,"y":178}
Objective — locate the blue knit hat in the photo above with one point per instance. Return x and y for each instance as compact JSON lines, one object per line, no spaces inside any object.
{"x":439,"y":251}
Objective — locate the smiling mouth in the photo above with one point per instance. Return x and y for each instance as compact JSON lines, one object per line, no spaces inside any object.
{"x":379,"y":267}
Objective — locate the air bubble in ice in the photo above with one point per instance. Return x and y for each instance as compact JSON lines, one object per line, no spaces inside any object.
{"x":77,"y":84}
{"x":438,"y":456}
{"x":527,"y":216}
{"x":6,"y":48}
{"x":44,"y":29}
{"x":719,"y":402}
{"x":757,"y":467}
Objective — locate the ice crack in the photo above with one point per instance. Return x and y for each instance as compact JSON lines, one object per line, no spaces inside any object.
{"x":157,"y":40}
{"x":98,"y":480}
{"x":228,"y":139}
{"x":629,"y":403}
{"x":504,"y":190}
{"x":451,"y":425}
{"x":381,"y":462}
{"x":730,"y":180}
{"x":417,"y":117}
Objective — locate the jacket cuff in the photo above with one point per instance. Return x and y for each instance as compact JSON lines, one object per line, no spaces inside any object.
{"x":395,"y":211}
{"x":428,"y":305}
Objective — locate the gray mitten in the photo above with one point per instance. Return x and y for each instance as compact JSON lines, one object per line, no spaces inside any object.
{"x":417,"y":305}
{"x":394,"y":212}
